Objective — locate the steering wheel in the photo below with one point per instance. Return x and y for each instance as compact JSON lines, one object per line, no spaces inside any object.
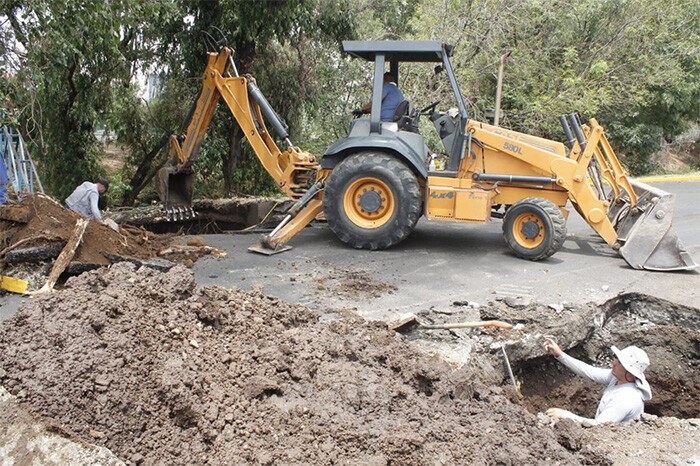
{"x":430,"y":107}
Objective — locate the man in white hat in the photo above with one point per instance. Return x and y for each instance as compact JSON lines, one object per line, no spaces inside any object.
{"x":627,"y":388}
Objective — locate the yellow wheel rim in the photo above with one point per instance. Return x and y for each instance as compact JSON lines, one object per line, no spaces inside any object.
{"x":528,"y":230}
{"x":368,"y":202}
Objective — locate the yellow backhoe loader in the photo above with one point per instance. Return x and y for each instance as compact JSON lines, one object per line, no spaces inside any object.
{"x":373,"y":185}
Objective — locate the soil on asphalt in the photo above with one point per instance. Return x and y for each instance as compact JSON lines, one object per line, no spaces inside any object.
{"x":161,"y":371}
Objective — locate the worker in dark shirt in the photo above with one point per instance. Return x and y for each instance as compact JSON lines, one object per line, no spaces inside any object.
{"x":391,"y":98}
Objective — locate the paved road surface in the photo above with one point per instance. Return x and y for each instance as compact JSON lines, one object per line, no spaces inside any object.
{"x":443,"y":262}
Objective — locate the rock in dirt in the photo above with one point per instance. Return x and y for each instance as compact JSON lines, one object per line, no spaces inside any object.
{"x":269,"y":382}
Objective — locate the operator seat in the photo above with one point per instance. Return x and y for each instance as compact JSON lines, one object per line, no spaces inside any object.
{"x":406,"y":117}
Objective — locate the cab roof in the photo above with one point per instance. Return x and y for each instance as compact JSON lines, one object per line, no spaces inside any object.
{"x":398,"y":50}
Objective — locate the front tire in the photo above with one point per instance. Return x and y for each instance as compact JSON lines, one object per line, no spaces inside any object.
{"x":372,"y":200}
{"x":534,"y":228}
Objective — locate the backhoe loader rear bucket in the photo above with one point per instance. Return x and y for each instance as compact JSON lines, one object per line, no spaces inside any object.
{"x":175,"y":189}
{"x":648,"y":240}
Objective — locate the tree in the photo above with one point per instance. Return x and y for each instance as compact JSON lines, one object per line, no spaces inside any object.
{"x":75,"y":53}
{"x":618,"y":60}
{"x":271,"y":41}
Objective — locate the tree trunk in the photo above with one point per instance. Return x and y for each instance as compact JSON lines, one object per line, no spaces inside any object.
{"x":145,"y":172}
{"x":231,"y":159}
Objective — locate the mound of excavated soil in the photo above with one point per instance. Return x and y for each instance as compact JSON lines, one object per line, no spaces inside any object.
{"x":164,"y":372}
{"x":35,"y":231}
{"x":47,"y":221}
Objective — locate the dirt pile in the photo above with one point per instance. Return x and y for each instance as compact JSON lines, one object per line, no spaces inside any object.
{"x":162,"y":371}
{"x":45,"y":221}
{"x":37,"y":229}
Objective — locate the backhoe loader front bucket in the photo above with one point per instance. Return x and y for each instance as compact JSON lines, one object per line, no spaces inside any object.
{"x":175,"y":189}
{"x":645,"y":232}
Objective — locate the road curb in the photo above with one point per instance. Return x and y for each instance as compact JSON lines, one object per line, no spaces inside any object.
{"x":654,"y":179}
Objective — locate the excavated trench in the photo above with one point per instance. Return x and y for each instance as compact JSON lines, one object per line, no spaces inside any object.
{"x":669,"y":333}
{"x":213,"y":216}
{"x":162,"y":371}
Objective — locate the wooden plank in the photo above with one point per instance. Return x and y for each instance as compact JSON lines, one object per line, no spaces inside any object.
{"x":66,"y":255}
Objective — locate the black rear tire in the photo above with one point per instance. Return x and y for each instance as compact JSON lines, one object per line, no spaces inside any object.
{"x":372,"y":200}
{"x":534,"y":228}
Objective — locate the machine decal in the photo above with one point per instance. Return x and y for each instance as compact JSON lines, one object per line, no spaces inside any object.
{"x":513,"y":148}
{"x":448,"y":195}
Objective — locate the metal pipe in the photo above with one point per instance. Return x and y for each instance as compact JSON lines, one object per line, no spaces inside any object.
{"x":267,"y":110}
{"x":508,"y":368}
{"x":375,"y":116}
{"x":499,"y":87}
{"x":513,"y":178}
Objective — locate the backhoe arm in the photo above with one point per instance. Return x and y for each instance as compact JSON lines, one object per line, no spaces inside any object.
{"x":294,"y":170}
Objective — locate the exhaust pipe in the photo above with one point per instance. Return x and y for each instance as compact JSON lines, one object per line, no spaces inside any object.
{"x":567,"y":132}
{"x":646,"y":237}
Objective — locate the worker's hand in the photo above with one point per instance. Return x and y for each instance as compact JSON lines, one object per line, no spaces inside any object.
{"x":551,"y":346}
{"x":357,"y":112}
{"x":556,"y":413}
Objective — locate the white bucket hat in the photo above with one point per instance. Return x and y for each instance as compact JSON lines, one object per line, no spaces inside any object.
{"x":635,"y":361}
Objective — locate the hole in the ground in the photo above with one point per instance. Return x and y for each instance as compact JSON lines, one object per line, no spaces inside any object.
{"x":213,"y":216}
{"x":203,"y":225}
{"x":669,"y":333}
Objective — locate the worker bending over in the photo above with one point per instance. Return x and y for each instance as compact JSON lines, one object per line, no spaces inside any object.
{"x":627,"y":388}
{"x":85,"y":198}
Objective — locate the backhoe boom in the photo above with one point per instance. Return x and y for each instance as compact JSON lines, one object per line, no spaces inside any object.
{"x":294,"y":170}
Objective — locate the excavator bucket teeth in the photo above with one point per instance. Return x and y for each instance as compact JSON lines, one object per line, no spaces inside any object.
{"x":175,"y":190}
{"x":646,"y":233}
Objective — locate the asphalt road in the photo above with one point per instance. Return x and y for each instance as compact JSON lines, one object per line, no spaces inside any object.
{"x":445,"y":262}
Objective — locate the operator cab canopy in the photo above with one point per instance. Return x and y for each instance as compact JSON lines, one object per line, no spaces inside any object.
{"x":398,"y":50}
{"x":395,"y":52}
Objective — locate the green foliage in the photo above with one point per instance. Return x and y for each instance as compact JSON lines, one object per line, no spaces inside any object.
{"x":632,"y":64}
{"x":75,"y":52}
{"x":10,"y":92}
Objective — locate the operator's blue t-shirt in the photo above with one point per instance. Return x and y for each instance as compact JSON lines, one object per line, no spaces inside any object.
{"x":392,"y":98}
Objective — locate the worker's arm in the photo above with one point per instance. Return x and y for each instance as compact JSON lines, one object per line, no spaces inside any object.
{"x":596,"y":374}
{"x":368,"y":107}
{"x":618,"y":409}
{"x":94,"y":206}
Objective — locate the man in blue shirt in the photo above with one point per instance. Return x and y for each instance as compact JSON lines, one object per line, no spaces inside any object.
{"x":391,"y":98}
